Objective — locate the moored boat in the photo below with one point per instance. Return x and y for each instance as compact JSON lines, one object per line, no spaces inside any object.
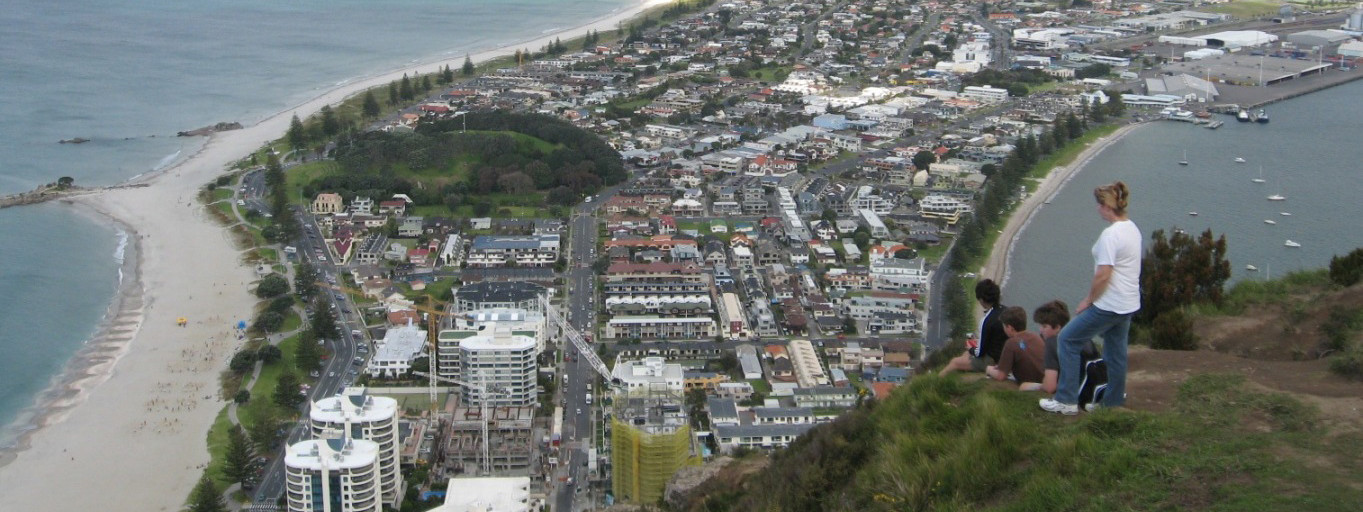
{"x":1261,"y":117}
{"x":1290,"y":243}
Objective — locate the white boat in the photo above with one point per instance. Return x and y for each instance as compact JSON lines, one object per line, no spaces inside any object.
{"x":1184,"y":161}
{"x":1194,"y":214}
{"x":1270,"y":221}
{"x":1277,"y":197}
{"x":1285,"y":214}
{"x":1260,"y":179}
{"x":1290,"y":243}
{"x":1251,"y":268}
{"x":1239,"y":160}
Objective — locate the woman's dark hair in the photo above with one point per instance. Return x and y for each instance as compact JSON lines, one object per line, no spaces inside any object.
{"x":987,"y":291}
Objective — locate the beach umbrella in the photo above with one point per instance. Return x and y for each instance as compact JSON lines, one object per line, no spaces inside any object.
{"x":241,"y":324}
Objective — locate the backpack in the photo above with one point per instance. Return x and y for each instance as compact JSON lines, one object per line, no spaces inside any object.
{"x":1092,"y":375}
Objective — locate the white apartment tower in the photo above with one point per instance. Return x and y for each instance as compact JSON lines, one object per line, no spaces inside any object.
{"x":370,"y":418}
{"x":333,"y":475}
{"x":501,"y":361}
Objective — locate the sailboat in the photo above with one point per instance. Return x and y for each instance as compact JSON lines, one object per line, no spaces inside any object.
{"x":1239,"y":160}
{"x":1270,"y":221}
{"x":1184,"y":161}
{"x":1260,"y":179}
{"x":1251,"y":268}
{"x":1290,"y":243}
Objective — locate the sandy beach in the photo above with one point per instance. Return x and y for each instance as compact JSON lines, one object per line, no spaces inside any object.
{"x":126,"y":429}
{"x":996,"y":267}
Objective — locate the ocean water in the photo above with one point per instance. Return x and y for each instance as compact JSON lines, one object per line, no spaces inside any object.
{"x":129,"y":74}
{"x":1309,"y":153}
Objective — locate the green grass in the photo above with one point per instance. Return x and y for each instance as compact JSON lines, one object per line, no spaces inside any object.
{"x":416,"y":401}
{"x":222,"y":193}
{"x":301,"y":174}
{"x":262,"y":392}
{"x":217,"y":448}
{"x":1071,"y":151}
{"x":760,"y":386}
{"x":436,"y":289}
{"x":291,"y":322}
{"x":957,"y":444}
{"x":1244,"y":9}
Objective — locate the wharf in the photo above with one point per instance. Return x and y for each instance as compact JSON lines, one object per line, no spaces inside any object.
{"x":1235,"y":97}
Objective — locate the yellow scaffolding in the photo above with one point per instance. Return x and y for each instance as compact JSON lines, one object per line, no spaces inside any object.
{"x":644,"y":458}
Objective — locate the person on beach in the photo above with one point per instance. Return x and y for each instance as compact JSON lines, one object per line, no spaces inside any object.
{"x":1024,"y":354}
{"x":992,"y":337}
{"x":1050,"y":318}
{"x":1114,"y":297}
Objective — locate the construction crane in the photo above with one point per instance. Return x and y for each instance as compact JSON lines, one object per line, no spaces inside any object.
{"x":483,"y":393}
{"x":432,"y":331}
{"x":583,"y":349}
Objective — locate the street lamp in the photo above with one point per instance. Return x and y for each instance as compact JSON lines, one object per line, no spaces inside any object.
{"x":461,"y":114}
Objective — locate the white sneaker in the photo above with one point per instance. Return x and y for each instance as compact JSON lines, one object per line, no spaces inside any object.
{"x":1049,"y":405}
{"x":1092,"y":406}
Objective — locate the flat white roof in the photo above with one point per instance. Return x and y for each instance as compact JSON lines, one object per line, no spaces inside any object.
{"x":501,"y":494}
{"x":496,"y":339}
{"x":659,"y":319}
{"x":401,"y":344}
{"x":332,"y":454}
{"x":355,"y":405}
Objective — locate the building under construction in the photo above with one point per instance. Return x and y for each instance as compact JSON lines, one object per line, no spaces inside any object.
{"x":509,"y":450}
{"x":650,"y":440}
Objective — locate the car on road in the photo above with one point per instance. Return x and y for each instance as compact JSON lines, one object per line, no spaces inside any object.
{"x":331,"y":374}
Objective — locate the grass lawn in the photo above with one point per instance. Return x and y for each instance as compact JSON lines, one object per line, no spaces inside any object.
{"x":934,"y":253}
{"x":267,"y":255}
{"x":1070,"y":152}
{"x":225,"y":207}
{"x":262,"y":392}
{"x":291,"y":322}
{"x":301,"y":174}
{"x":760,"y":386}
{"x":437,"y":289}
{"x":1244,"y":9}
{"x":416,"y":401}
{"x":221,"y":193}
{"x":217,"y":448}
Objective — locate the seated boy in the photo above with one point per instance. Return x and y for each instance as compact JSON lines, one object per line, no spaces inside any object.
{"x":1023,"y":354}
{"x":984,"y":351}
{"x":1050,"y":318}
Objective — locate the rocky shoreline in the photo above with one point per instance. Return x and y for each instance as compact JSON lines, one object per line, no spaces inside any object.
{"x":209,"y":130}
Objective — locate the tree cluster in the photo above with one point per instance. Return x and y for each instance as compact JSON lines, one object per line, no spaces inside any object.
{"x":1002,"y":187}
{"x":1014,"y":80}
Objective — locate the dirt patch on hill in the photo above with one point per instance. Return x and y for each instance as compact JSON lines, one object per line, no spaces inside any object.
{"x":1155,"y":376}
{"x":1286,"y":332}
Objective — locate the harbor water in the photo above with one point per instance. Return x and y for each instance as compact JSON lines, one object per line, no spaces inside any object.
{"x":1309,"y":154}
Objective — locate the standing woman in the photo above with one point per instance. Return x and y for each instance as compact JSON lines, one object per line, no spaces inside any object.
{"x":1114,"y":297}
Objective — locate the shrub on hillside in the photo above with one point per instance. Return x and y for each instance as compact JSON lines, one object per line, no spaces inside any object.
{"x":1348,"y":365}
{"x":1173,"y":330}
{"x":1347,"y":270}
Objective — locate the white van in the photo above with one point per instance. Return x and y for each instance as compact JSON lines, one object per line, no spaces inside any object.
{"x":589,"y":399}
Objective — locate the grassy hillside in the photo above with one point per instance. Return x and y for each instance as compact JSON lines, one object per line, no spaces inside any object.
{"x":953,"y":444}
{"x":1255,"y":420}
